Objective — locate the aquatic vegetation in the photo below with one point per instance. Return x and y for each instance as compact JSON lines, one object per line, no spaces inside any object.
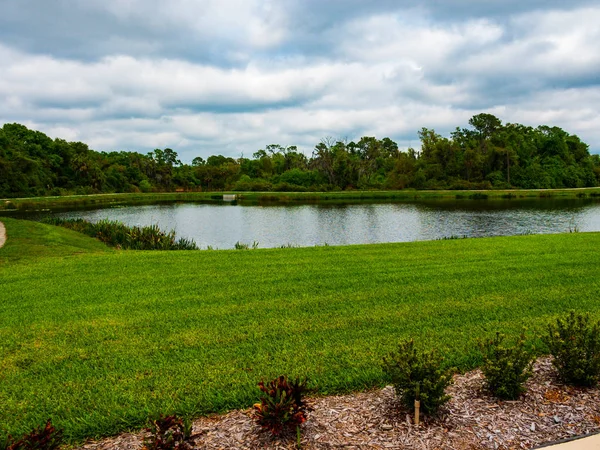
{"x":117,"y":234}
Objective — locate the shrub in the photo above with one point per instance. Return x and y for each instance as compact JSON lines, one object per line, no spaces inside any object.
{"x":145,"y":186}
{"x":478,"y":196}
{"x":242,"y":246}
{"x":169,"y":433}
{"x":46,"y":438}
{"x":288,"y":187}
{"x":119,"y":235}
{"x":418,"y":376}
{"x":575,"y":344}
{"x":282,"y":405}
{"x":506,"y":368}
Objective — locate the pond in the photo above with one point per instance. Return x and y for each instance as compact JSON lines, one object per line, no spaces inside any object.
{"x":221,"y":226}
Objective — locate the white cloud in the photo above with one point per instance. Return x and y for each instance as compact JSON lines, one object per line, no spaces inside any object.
{"x":378,"y":74}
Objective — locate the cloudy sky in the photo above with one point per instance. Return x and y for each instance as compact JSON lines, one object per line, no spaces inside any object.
{"x":231,"y":76}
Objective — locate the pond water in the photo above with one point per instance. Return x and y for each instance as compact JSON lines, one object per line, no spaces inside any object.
{"x":221,"y":226}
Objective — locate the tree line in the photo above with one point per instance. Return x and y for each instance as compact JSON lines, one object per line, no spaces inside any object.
{"x":485,"y":155}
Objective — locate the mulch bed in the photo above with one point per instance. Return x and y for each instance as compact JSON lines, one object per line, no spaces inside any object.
{"x":472,"y":419}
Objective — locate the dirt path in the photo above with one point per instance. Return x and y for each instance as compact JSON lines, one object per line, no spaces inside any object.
{"x":2,"y":234}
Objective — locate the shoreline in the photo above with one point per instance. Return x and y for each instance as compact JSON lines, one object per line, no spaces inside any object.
{"x":27,"y":204}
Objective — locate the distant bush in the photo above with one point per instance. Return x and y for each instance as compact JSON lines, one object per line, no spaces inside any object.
{"x":119,"y":235}
{"x":245,"y":183}
{"x":478,"y":196}
{"x":297,"y":180}
{"x":282,"y":405}
{"x":46,"y":438}
{"x":169,"y":433}
{"x":288,"y":187}
{"x":145,"y":186}
{"x":506,"y":368}
{"x":574,"y":342}
{"x":418,"y":376}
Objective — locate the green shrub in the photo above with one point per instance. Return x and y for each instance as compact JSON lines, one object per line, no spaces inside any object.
{"x":506,"y":368}
{"x":418,"y":376}
{"x":575,"y":344}
{"x":478,"y":196}
{"x":242,"y":246}
{"x":169,"y":433}
{"x":282,"y":405}
{"x":145,"y":186}
{"x":117,"y":234}
{"x":46,"y":438}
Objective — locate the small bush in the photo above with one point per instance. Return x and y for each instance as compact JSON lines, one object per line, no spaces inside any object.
{"x":575,"y":344}
{"x":478,"y":196}
{"x":418,"y":376}
{"x":242,"y":246}
{"x":506,"y":368}
{"x":282,"y":405}
{"x":169,"y":433}
{"x":46,"y":438}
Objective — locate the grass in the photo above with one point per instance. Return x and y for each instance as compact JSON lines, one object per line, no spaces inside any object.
{"x":102,"y":200}
{"x":33,"y":241}
{"x":98,"y":340}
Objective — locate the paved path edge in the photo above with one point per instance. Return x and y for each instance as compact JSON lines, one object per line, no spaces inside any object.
{"x":589,"y":441}
{"x":2,"y":234}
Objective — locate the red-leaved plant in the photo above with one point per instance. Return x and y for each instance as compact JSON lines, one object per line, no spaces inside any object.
{"x":42,"y":438}
{"x":169,"y":433}
{"x":282,"y":405}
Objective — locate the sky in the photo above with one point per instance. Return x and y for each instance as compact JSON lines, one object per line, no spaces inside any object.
{"x":229,"y":77}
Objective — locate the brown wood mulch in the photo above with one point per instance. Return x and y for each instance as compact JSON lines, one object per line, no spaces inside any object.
{"x":472,"y":419}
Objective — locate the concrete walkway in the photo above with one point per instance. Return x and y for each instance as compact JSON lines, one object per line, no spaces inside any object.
{"x":2,"y":234}
{"x":586,"y":443}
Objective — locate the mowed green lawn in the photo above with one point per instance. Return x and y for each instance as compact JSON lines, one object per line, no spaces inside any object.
{"x":99,"y":339}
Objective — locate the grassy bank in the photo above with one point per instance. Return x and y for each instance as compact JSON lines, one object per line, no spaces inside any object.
{"x":104,"y":200}
{"x":99,"y":339}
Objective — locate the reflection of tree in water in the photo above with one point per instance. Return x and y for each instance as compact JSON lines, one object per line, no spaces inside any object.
{"x":545,"y":204}
{"x":499,"y":223}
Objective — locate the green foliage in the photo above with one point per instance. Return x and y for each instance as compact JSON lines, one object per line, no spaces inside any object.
{"x":506,"y":368}
{"x":574,"y":342}
{"x":117,"y":234}
{"x":245,"y":183}
{"x":243,"y":246}
{"x":281,"y":405}
{"x":418,"y":375}
{"x":41,"y":438}
{"x":169,"y":433}
{"x":145,"y":186}
{"x":489,"y":155}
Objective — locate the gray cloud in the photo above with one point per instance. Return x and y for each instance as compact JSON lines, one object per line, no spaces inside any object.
{"x":230,"y":76}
